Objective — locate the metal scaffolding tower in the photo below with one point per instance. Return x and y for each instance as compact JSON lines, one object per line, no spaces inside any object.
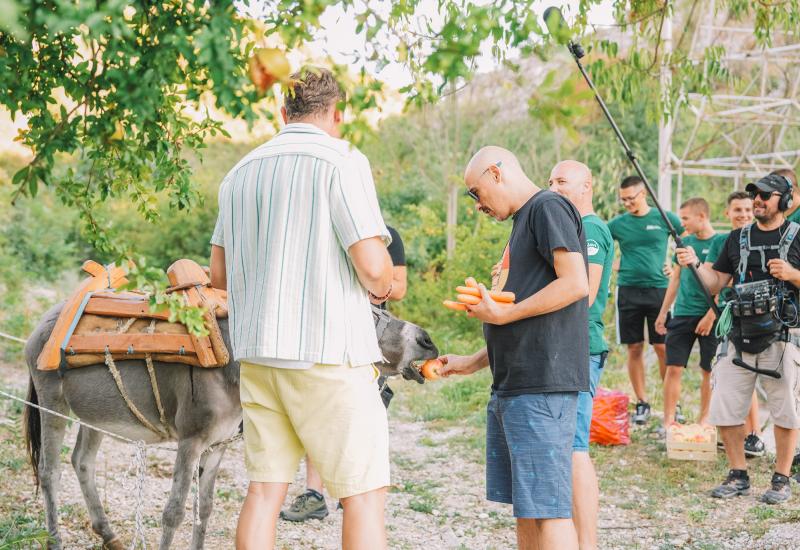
{"x":738,"y":135}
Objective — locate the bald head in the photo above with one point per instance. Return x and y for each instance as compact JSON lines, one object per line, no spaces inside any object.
{"x":487,"y":156}
{"x":573,"y":180}
{"x":494,"y":178}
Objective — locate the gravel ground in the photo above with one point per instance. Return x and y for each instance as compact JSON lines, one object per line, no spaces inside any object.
{"x":436,"y":500}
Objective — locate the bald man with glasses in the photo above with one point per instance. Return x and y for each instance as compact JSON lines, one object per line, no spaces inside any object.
{"x":537,"y":349}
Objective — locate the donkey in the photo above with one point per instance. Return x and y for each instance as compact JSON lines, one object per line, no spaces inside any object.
{"x":201,"y":405}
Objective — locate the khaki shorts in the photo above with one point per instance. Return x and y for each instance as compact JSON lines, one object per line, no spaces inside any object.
{"x":332,"y":412}
{"x":732,"y":386}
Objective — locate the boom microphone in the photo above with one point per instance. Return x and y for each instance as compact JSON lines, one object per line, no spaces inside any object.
{"x":558,"y":29}
{"x":556,"y":25}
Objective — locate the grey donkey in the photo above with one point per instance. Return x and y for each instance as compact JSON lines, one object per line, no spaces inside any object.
{"x":201,"y":405}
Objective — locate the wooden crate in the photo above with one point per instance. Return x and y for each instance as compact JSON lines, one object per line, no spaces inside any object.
{"x":692,"y":450}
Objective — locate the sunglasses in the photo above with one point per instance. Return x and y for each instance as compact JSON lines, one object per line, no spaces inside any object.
{"x":473,"y":194}
{"x":763,"y":195}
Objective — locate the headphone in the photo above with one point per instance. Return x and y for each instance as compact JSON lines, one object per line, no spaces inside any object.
{"x":785,"y":202}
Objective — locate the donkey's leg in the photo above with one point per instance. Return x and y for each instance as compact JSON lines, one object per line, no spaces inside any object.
{"x":188,"y":455}
{"x":53,"y":429}
{"x":84,"y":456}
{"x":209,"y":464}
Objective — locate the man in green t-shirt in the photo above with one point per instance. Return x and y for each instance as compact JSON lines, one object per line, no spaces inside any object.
{"x":573,"y":180}
{"x":642,"y":235}
{"x":740,"y":213}
{"x":692,"y":318}
{"x":793,"y":213}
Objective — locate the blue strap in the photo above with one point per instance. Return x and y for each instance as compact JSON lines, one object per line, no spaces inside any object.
{"x":744,"y":251}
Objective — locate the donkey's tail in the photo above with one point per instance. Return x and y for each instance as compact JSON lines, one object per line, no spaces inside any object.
{"x":33,"y":430}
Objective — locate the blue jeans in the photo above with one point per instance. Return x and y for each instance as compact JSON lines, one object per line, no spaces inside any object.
{"x":585,"y":403}
{"x":529,"y":453}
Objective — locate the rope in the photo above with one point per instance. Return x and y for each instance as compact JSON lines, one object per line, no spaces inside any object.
{"x":112,"y":367}
{"x":140,"y":448}
{"x":140,"y":457}
{"x":140,"y":460}
{"x":148,"y":359}
{"x":13,"y":338}
{"x":725,"y":322}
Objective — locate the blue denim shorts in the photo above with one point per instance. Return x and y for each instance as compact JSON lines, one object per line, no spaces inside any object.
{"x":585,"y":404}
{"x":529,"y":453}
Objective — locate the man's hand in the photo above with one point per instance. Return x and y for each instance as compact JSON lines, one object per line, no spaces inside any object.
{"x":457,"y":364}
{"x":661,"y":323}
{"x":686,"y":256}
{"x":705,"y":324}
{"x":781,"y":269}
{"x":489,"y":311}
{"x":667,"y":269}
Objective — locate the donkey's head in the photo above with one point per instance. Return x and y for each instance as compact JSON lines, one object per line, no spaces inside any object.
{"x":402,"y":344}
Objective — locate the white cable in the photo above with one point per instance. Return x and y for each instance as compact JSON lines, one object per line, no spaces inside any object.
{"x":13,"y":338}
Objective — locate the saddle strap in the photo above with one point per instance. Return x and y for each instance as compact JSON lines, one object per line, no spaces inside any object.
{"x":112,"y":367}
{"x":148,"y":359}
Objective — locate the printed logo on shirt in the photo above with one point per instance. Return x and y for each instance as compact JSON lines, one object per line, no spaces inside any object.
{"x":501,"y":276}
{"x":705,"y":251}
{"x":652,"y":227}
{"x":592,"y":248}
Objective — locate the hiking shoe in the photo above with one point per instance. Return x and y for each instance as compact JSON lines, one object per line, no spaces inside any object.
{"x":679,"y":418}
{"x":642,"y":414}
{"x":753,"y":446}
{"x":737,"y":483}
{"x":309,"y":505}
{"x":780,"y":491}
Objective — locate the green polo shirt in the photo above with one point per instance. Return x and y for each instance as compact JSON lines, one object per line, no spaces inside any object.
{"x":599,"y":250}
{"x":691,"y":300}
{"x":643,"y":243}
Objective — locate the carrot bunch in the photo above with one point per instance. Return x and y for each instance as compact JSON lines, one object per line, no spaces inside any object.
{"x":471,"y":295}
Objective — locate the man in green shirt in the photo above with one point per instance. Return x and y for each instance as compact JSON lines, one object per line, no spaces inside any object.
{"x":740,"y":213}
{"x":642,"y":235}
{"x":793,"y":214}
{"x":692,"y":318}
{"x":573,"y":180}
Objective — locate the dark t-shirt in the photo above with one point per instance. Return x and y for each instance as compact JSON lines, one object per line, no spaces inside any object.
{"x":396,"y":249}
{"x":728,"y":261}
{"x":545,"y":353}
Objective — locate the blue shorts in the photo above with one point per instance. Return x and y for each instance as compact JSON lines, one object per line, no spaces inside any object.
{"x":585,"y":404}
{"x":529,"y":453}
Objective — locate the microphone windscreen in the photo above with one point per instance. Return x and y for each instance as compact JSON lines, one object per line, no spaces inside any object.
{"x":556,"y":25}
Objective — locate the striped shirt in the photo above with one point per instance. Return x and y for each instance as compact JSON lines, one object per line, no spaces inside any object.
{"x":288,"y":213}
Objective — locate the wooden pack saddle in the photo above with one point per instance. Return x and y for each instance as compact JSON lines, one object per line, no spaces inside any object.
{"x":97,"y":321}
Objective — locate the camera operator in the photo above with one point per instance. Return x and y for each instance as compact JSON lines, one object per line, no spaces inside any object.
{"x":766,"y":252}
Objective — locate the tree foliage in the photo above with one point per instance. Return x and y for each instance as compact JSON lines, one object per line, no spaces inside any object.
{"x":116,"y":93}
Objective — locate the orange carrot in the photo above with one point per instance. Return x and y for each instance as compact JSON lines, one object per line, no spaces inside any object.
{"x":454,"y":305}
{"x":496,"y":296}
{"x":468,"y":299}
{"x":430,"y":369}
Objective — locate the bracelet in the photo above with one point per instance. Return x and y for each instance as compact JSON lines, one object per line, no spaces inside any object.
{"x":698,"y":264}
{"x":380,"y":298}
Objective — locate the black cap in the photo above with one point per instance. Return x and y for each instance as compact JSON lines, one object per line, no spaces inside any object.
{"x":773,"y":182}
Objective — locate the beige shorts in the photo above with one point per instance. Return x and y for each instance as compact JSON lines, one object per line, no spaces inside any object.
{"x":732,"y":386}
{"x":333,"y":413}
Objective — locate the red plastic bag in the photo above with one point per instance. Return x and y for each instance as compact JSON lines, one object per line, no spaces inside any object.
{"x":609,"y":418}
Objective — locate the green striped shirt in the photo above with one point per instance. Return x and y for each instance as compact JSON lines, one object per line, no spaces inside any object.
{"x":288,"y":213}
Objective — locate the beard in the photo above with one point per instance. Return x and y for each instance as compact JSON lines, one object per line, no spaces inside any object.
{"x":764,"y":215}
